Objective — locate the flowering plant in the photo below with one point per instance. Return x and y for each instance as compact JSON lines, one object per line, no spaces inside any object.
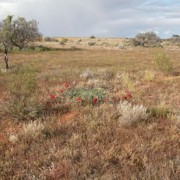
{"x":68,"y":94}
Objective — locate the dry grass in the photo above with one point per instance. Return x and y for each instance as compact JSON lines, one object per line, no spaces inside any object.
{"x":88,"y":141}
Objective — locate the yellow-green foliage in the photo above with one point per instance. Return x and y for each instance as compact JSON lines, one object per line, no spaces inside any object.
{"x":164,"y":63}
{"x":22,"y":89}
{"x":149,"y":75}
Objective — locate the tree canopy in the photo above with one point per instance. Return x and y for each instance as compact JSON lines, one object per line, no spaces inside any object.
{"x":17,"y":33}
{"x":147,"y":39}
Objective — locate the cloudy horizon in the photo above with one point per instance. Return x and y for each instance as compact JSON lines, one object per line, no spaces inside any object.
{"x":101,"y":18}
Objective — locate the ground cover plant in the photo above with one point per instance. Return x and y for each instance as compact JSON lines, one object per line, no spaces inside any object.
{"x":90,"y":114}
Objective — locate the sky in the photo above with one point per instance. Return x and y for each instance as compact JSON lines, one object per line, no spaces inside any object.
{"x":100,"y":18}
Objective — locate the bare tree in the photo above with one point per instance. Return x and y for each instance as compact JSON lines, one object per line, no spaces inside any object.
{"x":17,"y":33}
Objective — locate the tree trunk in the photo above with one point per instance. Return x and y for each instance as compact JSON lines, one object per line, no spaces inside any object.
{"x":6,"y":59}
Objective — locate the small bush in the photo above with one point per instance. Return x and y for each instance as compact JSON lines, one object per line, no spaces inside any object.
{"x":49,"y":39}
{"x":127,"y":82}
{"x":87,"y":74}
{"x":175,"y":40}
{"x":164,"y":64}
{"x":43,"y":48}
{"x":23,"y":94}
{"x":32,"y":129}
{"x":148,"y":39}
{"x":81,"y":96}
{"x":91,"y":43}
{"x":149,"y":76}
{"x":105,"y":74}
{"x":159,"y":111}
{"x":13,"y":139}
{"x":92,"y":37}
{"x":130,"y":114}
{"x":63,"y":41}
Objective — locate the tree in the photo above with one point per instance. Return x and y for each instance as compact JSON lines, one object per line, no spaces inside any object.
{"x":6,"y":34}
{"x":175,"y":39}
{"x":17,"y":33}
{"x":147,"y":39}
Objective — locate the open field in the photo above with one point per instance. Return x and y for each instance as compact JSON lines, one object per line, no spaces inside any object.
{"x":76,"y":114}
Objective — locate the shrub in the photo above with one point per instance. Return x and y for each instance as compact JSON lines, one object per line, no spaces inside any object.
{"x":91,"y":43}
{"x":49,"y":39}
{"x":63,"y":41}
{"x":159,"y":111}
{"x":87,"y":74}
{"x":149,"y":75}
{"x":13,"y":138}
{"x":23,"y":94}
{"x":130,"y":114}
{"x":32,"y":129}
{"x":175,"y":39}
{"x":82,"y":96}
{"x":92,"y":37}
{"x":164,"y":64}
{"x":105,"y":74}
{"x":148,"y":39}
{"x":127,"y":82}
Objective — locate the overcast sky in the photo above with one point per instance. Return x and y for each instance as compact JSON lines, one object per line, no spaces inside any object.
{"x":103,"y":18}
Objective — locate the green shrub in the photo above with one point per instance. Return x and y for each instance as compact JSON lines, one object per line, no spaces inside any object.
{"x":63,"y":41}
{"x":164,"y":64}
{"x":82,"y":96}
{"x":147,"y":39}
{"x":49,"y":39}
{"x":23,"y":101}
{"x":91,"y":43}
{"x":92,"y":37}
{"x":86,"y":95}
{"x":149,"y":75}
{"x":159,"y":111}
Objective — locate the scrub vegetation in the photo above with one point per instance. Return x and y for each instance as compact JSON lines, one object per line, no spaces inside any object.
{"x":76,"y":111}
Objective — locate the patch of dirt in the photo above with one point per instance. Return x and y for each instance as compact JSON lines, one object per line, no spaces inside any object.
{"x":8,"y":128}
{"x":68,"y":117}
{"x":170,"y":78}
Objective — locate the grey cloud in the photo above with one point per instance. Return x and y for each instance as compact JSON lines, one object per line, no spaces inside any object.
{"x":98,"y":17}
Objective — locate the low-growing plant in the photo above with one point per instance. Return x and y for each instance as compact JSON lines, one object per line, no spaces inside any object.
{"x":63,"y":41}
{"x":127,"y":82}
{"x":131,"y":114}
{"x":87,"y":74}
{"x":164,"y":63}
{"x":92,"y":37}
{"x":23,"y":94}
{"x":50,"y":39}
{"x":91,"y":43}
{"x":160,"y":111}
{"x":32,"y":129}
{"x":82,"y":96}
{"x":149,"y":75}
{"x":147,"y":39}
{"x":13,"y":138}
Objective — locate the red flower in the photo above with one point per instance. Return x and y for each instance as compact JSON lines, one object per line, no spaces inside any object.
{"x":105,"y":100}
{"x":95,"y":99}
{"x":129,"y":95}
{"x":124,"y":98}
{"x":52,"y":96}
{"x":61,"y":90}
{"x":116,"y":99}
{"x":66,"y":85}
{"x":78,"y":99}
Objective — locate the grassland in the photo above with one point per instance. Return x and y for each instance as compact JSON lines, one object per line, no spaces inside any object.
{"x":42,"y":137}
